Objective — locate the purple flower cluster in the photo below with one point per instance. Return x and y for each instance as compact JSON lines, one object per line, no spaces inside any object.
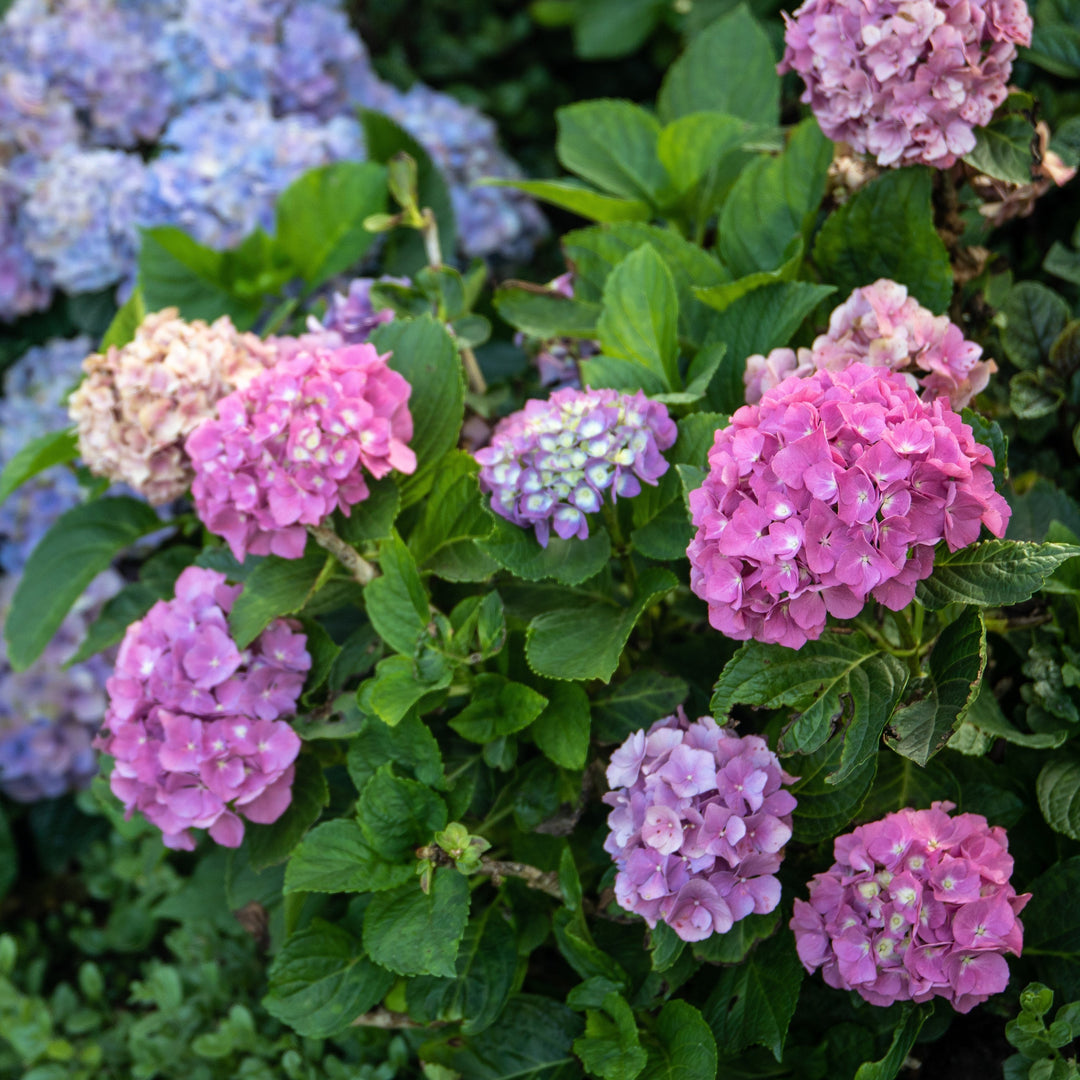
{"x":832,"y":489}
{"x":194,"y":722}
{"x":917,"y":905}
{"x":287,"y":450}
{"x":880,"y":325}
{"x":550,"y":464}
{"x":905,"y":80}
{"x":49,"y":713}
{"x":557,"y":359}
{"x":699,"y":824}
{"x":351,"y":317}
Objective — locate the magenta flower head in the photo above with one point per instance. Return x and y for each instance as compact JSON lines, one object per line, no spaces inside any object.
{"x":882,"y":326}
{"x":551,"y":464}
{"x":194,"y":722}
{"x":699,"y":824}
{"x":917,"y":905}
{"x":905,"y":80}
{"x":833,"y":489}
{"x":289,"y":448}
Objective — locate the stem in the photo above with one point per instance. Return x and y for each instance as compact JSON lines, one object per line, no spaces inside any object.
{"x":477,"y":383}
{"x":430,"y":232}
{"x":903,"y":628}
{"x":384,"y":1018}
{"x":545,"y":880}
{"x":361,"y":570}
{"x":469,"y":763}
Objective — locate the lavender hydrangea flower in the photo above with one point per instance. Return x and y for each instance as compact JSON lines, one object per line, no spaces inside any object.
{"x":551,"y":464}
{"x":699,"y":824}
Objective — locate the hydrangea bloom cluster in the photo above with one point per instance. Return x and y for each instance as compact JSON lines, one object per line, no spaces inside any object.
{"x":905,"y":80}
{"x":917,"y":905}
{"x":881,"y":325}
{"x":32,"y":405}
{"x":235,"y":97}
{"x":138,"y":403}
{"x":550,"y":464}
{"x":699,"y":824}
{"x":833,"y":489}
{"x":350,"y":317}
{"x":49,"y":713}
{"x":288,"y":449}
{"x":195,"y":723}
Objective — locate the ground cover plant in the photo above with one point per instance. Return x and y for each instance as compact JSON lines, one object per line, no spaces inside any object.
{"x":669,"y":669}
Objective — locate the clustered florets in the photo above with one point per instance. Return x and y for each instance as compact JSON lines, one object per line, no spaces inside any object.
{"x":917,"y":905}
{"x":287,"y":450}
{"x":905,"y":80}
{"x":138,"y":403}
{"x":832,"y":489}
{"x":550,"y":464}
{"x":880,"y":325}
{"x":194,"y":722}
{"x":700,"y":822}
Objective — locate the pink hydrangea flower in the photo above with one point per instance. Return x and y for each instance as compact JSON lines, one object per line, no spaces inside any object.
{"x":882,"y":326}
{"x":194,"y":722}
{"x":833,"y":489}
{"x":550,"y":464}
{"x":917,"y":905}
{"x":293,"y":446}
{"x":138,"y":403}
{"x":905,"y":80}
{"x":699,"y":825}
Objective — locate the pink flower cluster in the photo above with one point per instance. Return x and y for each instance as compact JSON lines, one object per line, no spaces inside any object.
{"x":882,"y":326}
{"x":832,"y":489}
{"x":700,"y":822}
{"x":551,"y":463}
{"x":194,"y":722}
{"x":287,"y":450}
{"x":905,"y":80}
{"x":917,"y":905}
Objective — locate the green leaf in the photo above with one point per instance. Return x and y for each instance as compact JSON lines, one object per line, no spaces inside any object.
{"x":900,"y":782}
{"x":985,"y":716}
{"x":887,"y":230}
{"x":569,"y":562}
{"x":640,"y":317}
{"x":580,"y":950}
{"x":396,"y":602}
{"x":336,"y":857}
{"x":397,"y":685}
{"x":610,"y":1047}
{"x":838,"y":679}
{"x":321,"y":244}
{"x":914,"y":1016}
{"x":125,"y":322}
{"x":612,"y":144}
{"x":275,"y":587}
{"x":404,"y":252}
{"x":1058,"y":789}
{"x":452,"y":520}
{"x":585,"y":642}
{"x":562,"y":729}
{"x":1055,"y":42}
{"x":826,"y":807}
{"x":53,"y":448}
{"x":1063,"y":262}
{"x":541,"y":312}
{"x":417,"y":933}
{"x":482,"y":984}
{"x":734,"y":43}
{"x":82,"y":542}
{"x":732,"y":947}
{"x":605,"y":29}
{"x":994,"y":573}
{"x":398,"y":815}
{"x":923,"y":726}
{"x":703,"y":150}
{"x":584,"y":201}
{"x":753,"y":1003}
{"x":635,"y":704}
{"x":626,"y":376}
{"x":1003,"y":149}
{"x":425,"y":355}
{"x":176,"y":271}
{"x":1034,"y":318}
{"x":9,"y":856}
{"x":372,"y":519}
{"x":680,"y":1046}
{"x":269,"y":844}
{"x":408,"y":744}
{"x":497,"y":707}
{"x":1035,"y":394}
{"x":775,"y":201}
{"x":1052,"y":918}
{"x":321,"y":981}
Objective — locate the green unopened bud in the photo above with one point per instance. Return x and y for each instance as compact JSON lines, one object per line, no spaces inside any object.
{"x":1036,"y":998}
{"x":9,"y":953}
{"x":382,"y":222}
{"x":403,"y":181}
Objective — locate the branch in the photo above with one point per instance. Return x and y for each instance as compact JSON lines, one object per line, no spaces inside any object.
{"x":361,"y":570}
{"x":475,"y":376}
{"x":545,"y":881}
{"x":389,"y":1021}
